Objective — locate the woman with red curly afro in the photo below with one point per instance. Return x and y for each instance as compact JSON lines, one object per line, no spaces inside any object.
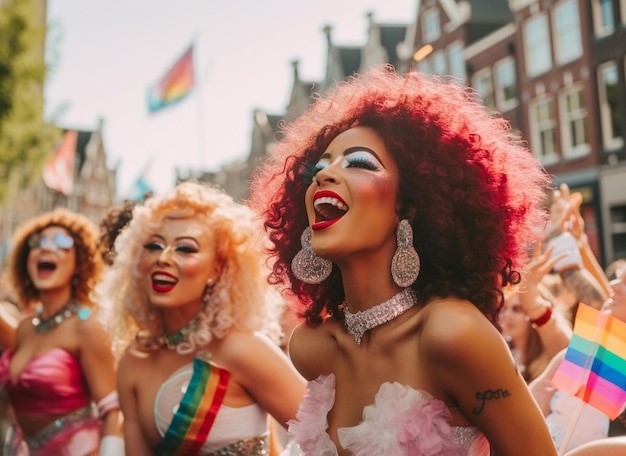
{"x":398,"y":208}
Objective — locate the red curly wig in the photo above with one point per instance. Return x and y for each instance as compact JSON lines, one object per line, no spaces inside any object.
{"x":470,"y":189}
{"x":89,"y":263}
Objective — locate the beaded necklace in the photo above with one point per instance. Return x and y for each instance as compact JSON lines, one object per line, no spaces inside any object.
{"x":172,"y":340}
{"x":45,"y":325}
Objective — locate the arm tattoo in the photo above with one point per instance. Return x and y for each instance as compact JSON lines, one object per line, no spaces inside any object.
{"x":585,"y":286}
{"x":489,"y":395}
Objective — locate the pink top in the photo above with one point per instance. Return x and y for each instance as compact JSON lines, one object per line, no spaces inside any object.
{"x":51,"y":383}
{"x":402,"y":421}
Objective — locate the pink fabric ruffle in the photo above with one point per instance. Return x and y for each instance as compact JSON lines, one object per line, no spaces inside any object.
{"x":401,"y":421}
{"x":309,"y":427}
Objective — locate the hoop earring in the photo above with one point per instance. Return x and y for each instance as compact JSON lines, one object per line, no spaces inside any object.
{"x":405,"y":266}
{"x":307,"y":266}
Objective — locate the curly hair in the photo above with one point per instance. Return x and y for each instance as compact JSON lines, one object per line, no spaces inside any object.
{"x":89,"y":265}
{"x":116,"y":218}
{"x":471,"y":190}
{"x":241,"y":296}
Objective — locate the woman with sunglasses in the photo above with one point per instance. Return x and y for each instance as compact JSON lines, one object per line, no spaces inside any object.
{"x":60,"y":375}
{"x":197,"y":328}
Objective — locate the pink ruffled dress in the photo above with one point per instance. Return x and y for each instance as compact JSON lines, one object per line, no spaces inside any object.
{"x":402,"y":421}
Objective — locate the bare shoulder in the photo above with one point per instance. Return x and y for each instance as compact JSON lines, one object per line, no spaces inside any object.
{"x":90,"y":332}
{"x":609,"y":446}
{"x":311,"y":349}
{"x":256,"y":345}
{"x":88,"y":322}
{"x":453,"y":328}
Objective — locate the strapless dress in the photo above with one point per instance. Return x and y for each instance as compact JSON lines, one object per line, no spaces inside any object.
{"x":402,"y":421}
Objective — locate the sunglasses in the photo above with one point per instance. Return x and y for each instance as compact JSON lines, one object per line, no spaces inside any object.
{"x":54,"y":242}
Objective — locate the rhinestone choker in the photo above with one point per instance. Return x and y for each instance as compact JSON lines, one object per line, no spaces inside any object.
{"x":45,"y":325}
{"x":360,"y":322}
{"x":172,"y":340}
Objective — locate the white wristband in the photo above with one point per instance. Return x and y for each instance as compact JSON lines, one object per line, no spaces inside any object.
{"x":111,"y":445}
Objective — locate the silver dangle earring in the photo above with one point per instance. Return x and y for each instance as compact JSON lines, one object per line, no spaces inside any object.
{"x":405,"y":266}
{"x":306,"y":265}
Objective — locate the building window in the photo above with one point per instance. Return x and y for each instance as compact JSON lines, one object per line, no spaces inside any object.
{"x":483,"y":84}
{"x":537,"y":46}
{"x":439,"y":63}
{"x":506,"y":84}
{"x":431,"y":25}
{"x":603,"y":19}
{"x":622,"y":7}
{"x":457,"y":62}
{"x":574,"y":123}
{"x":610,"y":115}
{"x":618,"y":230}
{"x":567,"y":37}
{"x":543,"y":128}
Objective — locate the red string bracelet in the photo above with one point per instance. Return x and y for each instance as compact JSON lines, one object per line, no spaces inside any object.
{"x":543,"y":319}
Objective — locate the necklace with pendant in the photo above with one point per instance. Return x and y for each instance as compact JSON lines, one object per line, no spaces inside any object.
{"x":359,"y":322}
{"x":45,"y":325}
{"x":172,"y":340}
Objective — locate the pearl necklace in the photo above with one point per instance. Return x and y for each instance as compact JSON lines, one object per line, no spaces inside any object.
{"x":45,"y":325}
{"x":365,"y":320}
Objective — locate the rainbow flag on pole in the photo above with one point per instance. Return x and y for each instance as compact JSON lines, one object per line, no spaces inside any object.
{"x":174,"y":85}
{"x":594,"y":367}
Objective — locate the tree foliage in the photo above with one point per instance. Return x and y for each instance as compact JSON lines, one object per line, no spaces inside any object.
{"x":25,"y":138}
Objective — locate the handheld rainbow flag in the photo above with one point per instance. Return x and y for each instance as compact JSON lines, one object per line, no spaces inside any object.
{"x":594,"y":367}
{"x":174,"y":85}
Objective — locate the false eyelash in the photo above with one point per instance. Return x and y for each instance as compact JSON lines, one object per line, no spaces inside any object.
{"x":308,"y":172}
{"x":361,"y":162}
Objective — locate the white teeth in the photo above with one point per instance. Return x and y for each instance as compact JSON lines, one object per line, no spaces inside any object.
{"x":332,"y":201}
{"x":163,"y":278}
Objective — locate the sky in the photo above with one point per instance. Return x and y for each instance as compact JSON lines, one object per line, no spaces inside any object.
{"x":103,"y":55}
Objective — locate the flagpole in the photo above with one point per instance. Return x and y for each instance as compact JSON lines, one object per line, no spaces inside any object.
{"x":200,"y":110}
{"x":571,"y":428}
{"x":200,"y":117}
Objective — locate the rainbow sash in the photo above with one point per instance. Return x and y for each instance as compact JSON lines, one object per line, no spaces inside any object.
{"x":196,"y":413}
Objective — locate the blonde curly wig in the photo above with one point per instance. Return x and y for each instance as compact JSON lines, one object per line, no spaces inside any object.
{"x":241,"y":296}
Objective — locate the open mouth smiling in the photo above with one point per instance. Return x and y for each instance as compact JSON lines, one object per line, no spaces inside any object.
{"x":46,"y":266}
{"x":329,"y":208}
{"x":163,"y":282}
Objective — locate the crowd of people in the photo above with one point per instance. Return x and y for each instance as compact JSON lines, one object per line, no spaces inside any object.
{"x":434,"y":272}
